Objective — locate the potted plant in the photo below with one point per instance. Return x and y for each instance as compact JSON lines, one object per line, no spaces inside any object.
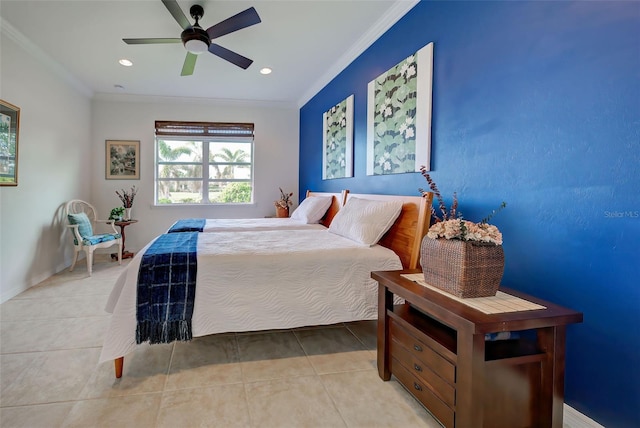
{"x":458,"y":256}
{"x":116,"y":213}
{"x":283,"y":204}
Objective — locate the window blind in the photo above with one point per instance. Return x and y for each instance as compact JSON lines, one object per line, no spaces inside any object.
{"x":203,"y":129}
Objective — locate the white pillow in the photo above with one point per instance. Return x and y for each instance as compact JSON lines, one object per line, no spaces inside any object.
{"x":312,"y":209}
{"x":365,"y":221}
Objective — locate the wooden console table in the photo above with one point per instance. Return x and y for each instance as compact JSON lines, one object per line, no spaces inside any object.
{"x":435,"y":346}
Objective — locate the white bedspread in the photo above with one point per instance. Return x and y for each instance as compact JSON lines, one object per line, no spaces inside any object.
{"x":248,"y":224}
{"x":264,"y":280}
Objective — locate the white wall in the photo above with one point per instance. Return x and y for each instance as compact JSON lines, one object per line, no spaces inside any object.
{"x":53,"y":167}
{"x":133,"y":118}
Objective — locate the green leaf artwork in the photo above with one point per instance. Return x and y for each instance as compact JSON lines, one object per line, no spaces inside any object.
{"x":337,"y":140}
{"x":394,"y":119}
{"x":399,"y":116}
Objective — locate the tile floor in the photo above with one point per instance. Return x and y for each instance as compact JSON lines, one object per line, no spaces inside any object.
{"x":50,"y":341}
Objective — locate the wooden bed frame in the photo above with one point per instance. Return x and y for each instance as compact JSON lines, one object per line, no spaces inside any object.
{"x":339,"y":199}
{"x":404,"y":237}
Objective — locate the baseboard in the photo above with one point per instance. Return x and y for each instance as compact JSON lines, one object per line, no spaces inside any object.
{"x":574,"y":419}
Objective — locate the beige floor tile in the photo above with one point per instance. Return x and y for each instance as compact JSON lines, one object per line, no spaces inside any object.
{"x":139,"y":411}
{"x":205,"y":361}
{"x":366,"y":332}
{"x":30,"y":335}
{"x":53,"y":307}
{"x":333,"y":350}
{"x":54,"y":376}
{"x":272,"y":356}
{"x":365,"y":400}
{"x":218,"y":406}
{"x":294,"y":402}
{"x":38,"y":416}
{"x":12,"y":366}
{"x":87,"y":332}
{"x":145,"y":371}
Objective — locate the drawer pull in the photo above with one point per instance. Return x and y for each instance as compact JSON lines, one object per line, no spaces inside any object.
{"x":417,"y":348}
{"x":417,"y":368}
{"x":417,"y":387}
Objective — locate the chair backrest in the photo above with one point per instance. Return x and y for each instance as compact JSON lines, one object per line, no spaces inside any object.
{"x":77,"y":206}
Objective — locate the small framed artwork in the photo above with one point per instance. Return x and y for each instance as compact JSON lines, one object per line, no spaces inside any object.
{"x":9,"y":127}
{"x":399,"y":116}
{"x":337,"y":140}
{"x":123,"y":160}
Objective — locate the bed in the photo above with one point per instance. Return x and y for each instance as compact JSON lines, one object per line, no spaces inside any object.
{"x":275,"y":279}
{"x":308,"y":215}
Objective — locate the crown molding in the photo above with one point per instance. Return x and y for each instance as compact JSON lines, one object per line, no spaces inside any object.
{"x":132,"y":98}
{"x":395,"y":12}
{"x":30,"y":48}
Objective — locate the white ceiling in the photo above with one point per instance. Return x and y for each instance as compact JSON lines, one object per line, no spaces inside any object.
{"x":305,"y":42}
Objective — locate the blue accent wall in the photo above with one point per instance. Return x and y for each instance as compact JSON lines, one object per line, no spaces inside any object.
{"x":537,"y":104}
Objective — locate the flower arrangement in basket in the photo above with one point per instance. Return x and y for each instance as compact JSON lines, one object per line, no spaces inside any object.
{"x":459,"y":256}
{"x":283,"y":204}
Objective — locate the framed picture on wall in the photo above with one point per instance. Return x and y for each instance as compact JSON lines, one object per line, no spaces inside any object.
{"x":123,"y":160}
{"x":399,"y":116}
{"x":9,"y":127}
{"x":337,"y":140}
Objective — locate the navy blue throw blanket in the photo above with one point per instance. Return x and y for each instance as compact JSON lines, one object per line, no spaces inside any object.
{"x":188,"y":225}
{"x":166,"y":289}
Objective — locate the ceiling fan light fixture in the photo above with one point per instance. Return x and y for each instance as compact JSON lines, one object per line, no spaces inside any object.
{"x":196,"y":46}
{"x":195,"y":40}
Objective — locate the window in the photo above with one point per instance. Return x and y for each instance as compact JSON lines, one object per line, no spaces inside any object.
{"x":204,"y":163}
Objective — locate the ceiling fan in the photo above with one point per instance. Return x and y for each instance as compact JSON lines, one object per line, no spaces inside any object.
{"x":196,"y":40}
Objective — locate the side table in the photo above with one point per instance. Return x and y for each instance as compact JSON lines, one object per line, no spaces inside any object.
{"x":436,"y":348}
{"x":122,"y":224}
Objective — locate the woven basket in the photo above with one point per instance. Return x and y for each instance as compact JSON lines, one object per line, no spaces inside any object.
{"x":462,"y":268}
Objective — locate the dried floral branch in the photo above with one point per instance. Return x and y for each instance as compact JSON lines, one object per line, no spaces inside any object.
{"x":127,"y":197}
{"x":285,"y":199}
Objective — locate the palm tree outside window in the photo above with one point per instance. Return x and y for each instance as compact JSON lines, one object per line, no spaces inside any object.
{"x":204,"y":163}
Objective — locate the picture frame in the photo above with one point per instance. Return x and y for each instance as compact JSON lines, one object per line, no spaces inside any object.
{"x":9,"y":133}
{"x":337,"y":140}
{"x":399,"y":104}
{"x":122,"y":160}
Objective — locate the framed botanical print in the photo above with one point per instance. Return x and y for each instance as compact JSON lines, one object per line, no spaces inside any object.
{"x":123,"y":160}
{"x":399,"y":116}
{"x":337,"y":140}
{"x":9,"y":130}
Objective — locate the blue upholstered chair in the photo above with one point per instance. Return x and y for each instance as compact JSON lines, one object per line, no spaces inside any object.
{"x":82,"y":222}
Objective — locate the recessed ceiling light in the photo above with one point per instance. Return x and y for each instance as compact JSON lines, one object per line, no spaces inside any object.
{"x":125,"y":62}
{"x":265,"y":70}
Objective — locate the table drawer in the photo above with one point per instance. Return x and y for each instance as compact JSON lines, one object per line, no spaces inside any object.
{"x":424,"y":373}
{"x":418,"y":389}
{"x":423,"y":352}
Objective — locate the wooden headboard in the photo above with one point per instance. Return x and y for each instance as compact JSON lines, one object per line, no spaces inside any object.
{"x":338,"y":201}
{"x":405,"y":236}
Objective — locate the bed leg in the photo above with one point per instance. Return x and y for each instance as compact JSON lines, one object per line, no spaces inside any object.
{"x":119,"y":363}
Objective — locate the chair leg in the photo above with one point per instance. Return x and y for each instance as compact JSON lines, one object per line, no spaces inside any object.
{"x":75,"y":259}
{"x":89,"y":261}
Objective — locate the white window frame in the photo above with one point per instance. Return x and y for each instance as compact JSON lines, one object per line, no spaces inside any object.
{"x":205,"y":133}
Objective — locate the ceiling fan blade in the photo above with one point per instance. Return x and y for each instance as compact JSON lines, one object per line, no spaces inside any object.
{"x":150,"y":41}
{"x":230,"y":56}
{"x":189,"y":64}
{"x":177,"y":13}
{"x":237,"y":22}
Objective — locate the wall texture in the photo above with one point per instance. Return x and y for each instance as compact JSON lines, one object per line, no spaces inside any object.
{"x":53,"y":167}
{"x":537,"y":104}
